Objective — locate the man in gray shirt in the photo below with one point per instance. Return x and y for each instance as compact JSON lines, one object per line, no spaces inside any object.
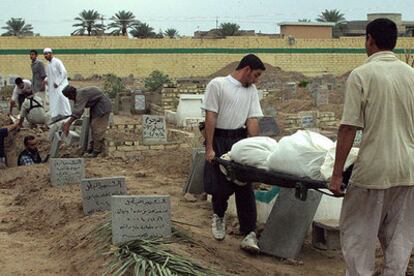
{"x":38,"y":75}
{"x":100,"y":108}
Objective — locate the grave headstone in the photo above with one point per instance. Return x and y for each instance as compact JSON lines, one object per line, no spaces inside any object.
{"x":270,"y":111}
{"x":189,"y":107}
{"x":290,"y":89}
{"x":288,"y":224}
{"x":66,"y":171}
{"x":322,"y":96}
{"x":54,"y":147}
{"x":140,"y":217}
{"x":154,"y":129}
{"x":126,"y":105}
{"x":268,"y":126}
{"x":308,"y":121}
{"x":97,"y":192}
{"x":84,"y":135}
{"x":139,"y":104}
{"x":195,"y":184}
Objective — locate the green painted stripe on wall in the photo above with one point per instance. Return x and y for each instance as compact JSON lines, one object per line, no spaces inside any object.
{"x":198,"y":51}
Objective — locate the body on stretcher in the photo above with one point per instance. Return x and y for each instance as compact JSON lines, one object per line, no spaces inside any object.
{"x":248,"y":174}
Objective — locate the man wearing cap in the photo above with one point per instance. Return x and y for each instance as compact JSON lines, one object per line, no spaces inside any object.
{"x":56,"y":80}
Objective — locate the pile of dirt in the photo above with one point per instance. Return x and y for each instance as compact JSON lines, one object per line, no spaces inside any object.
{"x":272,"y":78}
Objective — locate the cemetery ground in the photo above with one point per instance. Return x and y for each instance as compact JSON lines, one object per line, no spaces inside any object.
{"x":44,"y":231}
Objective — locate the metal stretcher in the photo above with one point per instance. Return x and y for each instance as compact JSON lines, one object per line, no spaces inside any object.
{"x":249,"y":174}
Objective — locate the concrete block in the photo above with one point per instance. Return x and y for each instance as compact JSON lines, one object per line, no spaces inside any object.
{"x":288,"y":223}
{"x":325,"y":235}
{"x":97,"y":192}
{"x":195,"y":184}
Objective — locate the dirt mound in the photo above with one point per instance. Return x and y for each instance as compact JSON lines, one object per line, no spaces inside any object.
{"x":272,"y":78}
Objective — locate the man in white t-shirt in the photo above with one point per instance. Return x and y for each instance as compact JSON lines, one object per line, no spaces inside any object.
{"x":232,"y":107}
{"x":22,"y":87}
{"x":379,"y":203}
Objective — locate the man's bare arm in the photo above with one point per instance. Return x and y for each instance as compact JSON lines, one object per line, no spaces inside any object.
{"x":346,"y":136}
{"x":211,"y":119}
{"x":253,"y":128}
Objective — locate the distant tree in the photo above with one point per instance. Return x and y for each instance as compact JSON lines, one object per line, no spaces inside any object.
{"x":17,"y":27}
{"x":122,"y":21}
{"x":156,"y":80}
{"x":88,"y":22}
{"x":171,"y":33}
{"x":229,"y":29}
{"x":160,"y":34}
{"x":142,"y":30}
{"x":304,"y":20}
{"x":334,"y":16}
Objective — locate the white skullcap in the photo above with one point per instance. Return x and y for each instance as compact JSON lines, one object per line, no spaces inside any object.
{"x":47,"y":50}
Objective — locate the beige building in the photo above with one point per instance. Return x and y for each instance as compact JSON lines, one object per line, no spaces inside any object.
{"x":319,"y":30}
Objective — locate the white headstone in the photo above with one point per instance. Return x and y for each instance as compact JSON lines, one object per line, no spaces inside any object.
{"x":97,"y":192}
{"x":66,"y":171}
{"x":54,"y":147}
{"x":154,"y":129}
{"x":308,"y":121}
{"x":189,"y":106}
{"x":140,"y":217}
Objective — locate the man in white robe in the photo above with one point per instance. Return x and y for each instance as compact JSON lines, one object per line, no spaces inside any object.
{"x":56,"y":80}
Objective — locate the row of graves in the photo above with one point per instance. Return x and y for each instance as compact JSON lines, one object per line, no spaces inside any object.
{"x":133,"y":216}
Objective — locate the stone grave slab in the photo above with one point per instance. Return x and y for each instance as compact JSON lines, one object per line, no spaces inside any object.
{"x":268,"y":126}
{"x":195,"y":184}
{"x":97,"y":192}
{"x":54,"y":147}
{"x":66,"y":171}
{"x":140,"y":217}
{"x":154,"y":129}
{"x":84,"y":135}
{"x":139,"y":103}
{"x":308,"y":121}
{"x":322,"y":96}
{"x":288,"y":223}
{"x":270,"y":111}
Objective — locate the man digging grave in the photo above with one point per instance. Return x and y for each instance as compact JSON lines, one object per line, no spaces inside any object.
{"x":100,"y":109}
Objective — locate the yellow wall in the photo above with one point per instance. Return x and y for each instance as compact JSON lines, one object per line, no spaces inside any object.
{"x":13,"y":58}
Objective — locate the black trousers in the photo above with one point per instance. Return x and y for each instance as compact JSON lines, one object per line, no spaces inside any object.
{"x":216,"y":184}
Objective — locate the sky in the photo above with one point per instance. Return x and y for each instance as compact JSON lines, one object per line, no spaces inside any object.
{"x":55,"y":18}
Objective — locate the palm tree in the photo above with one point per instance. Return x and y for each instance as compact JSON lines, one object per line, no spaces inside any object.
{"x":142,"y":30}
{"x":88,"y":22}
{"x":334,"y":16}
{"x":171,"y":33}
{"x":122,"y":21}
{"x":229,"y":29}
{"x":17,"y":27}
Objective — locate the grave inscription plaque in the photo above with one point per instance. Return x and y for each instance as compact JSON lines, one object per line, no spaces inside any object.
{"x":97,"y":192}
{"x":140,"y":217}
{"x":66,"y":171}
{"x":154,"y":129}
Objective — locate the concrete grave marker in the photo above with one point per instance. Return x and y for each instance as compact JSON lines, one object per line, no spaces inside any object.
{"x":195,"y":184}
{"x":97,"y":192}
{"x":288,"y":223}
{"x":308,"y":121}
{"x":154,"y":129}
{"x":268,"y":126}
{"x":66,"y":171}
{"x":140,"y":217}
{"x":85,"y":134}
{"x":139,"y":103}
{"x":322,"y":96}
{"x":54,"y":147}
{"x":270,"y":111}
